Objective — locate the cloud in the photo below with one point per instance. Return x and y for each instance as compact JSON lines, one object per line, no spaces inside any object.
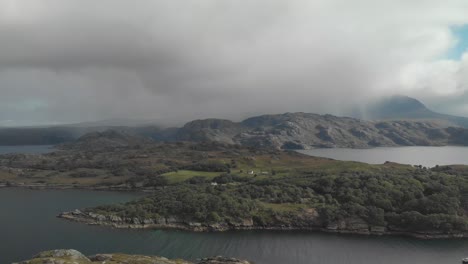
{"x":70,"y":60}
{"x":441,"y":83}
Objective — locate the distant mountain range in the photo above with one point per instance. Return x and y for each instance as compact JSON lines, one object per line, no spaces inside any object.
{"x":405,"y":108}
{"x":303,"y":131}
{"x":394,"y":121}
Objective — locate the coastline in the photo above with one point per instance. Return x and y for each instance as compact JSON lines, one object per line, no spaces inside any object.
{"x":41,"y":186}
{"x":117,"y":223}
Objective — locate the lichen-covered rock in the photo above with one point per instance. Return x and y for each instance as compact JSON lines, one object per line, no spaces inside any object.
{"x":58,"y":256}
{"x":71,"y":256}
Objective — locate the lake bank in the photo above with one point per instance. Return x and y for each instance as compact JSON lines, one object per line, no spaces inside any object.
{"x":171,"y":223}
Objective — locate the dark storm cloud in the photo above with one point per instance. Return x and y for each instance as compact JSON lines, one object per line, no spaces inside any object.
{"x":68,"y":60}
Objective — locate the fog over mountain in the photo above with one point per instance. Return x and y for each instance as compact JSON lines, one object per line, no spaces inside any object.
{"x":64,"y":61}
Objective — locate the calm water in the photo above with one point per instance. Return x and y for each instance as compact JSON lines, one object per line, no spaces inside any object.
{"x":28,"y":225}
{"x":33,"y":149}
{"x":426,"y":156}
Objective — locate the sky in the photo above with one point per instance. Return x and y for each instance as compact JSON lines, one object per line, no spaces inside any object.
{"x":66,"y":61}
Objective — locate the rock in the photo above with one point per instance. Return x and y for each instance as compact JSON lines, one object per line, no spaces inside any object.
{"x":100,"y":257}
{"x":378,"y":229}
{"x":172,"y":220}
{"x":60,"y":253}
{"x":357,"y":224}
{"x":160,"y":221}
{"x":194,"y":224}
{"x":98,"y":217}
{"x":70,"y":256}
{"x":222,"y":260}
{"x":115,"y":219}
{"x":76,"y":212}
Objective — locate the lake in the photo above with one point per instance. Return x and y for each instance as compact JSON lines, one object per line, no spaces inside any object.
{"x":28,"y":225}
{"x":426,"y":156}
{"x":30,"y":149}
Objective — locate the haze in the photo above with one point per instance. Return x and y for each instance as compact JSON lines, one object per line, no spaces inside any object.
{"x":64,"y":61}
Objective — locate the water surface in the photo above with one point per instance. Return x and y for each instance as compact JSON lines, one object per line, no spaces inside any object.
{"x":30,"y":149}
{"x":426,"y":156}
{"x":28,"y":225}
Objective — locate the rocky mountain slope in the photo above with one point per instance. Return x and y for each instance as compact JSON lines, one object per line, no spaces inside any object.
{"x":70,"y":256}
{"x":402,"y":121}
{"x":304,"y":130}
{"x":406,"y":108}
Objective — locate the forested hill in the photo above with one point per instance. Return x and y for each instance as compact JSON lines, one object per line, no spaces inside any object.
{"x":214,"y":186}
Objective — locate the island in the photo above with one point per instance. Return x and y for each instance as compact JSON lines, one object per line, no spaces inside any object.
{"x":214,"y":186}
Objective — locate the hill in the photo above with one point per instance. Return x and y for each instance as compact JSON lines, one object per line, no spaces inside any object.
{"x":405,"y":122}
{"x":304,"y":130}
{"x":62,"y":134}
{"x":214,"y":186}
{"x":406,"y":108}
{"x":109,"y":139}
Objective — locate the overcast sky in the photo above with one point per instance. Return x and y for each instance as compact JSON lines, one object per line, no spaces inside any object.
{"x":64,"y":61}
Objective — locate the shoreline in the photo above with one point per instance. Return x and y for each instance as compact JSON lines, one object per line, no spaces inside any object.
{"x":203,"y":227}
{"x":73,"y":187}
{"x":100,"y":220}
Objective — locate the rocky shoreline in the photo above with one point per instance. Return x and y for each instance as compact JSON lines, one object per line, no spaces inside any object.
{"x":71,"y":256}
{"x":113,"y":221}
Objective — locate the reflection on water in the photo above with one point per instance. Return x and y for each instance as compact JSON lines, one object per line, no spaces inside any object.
{"x":28,"y":225}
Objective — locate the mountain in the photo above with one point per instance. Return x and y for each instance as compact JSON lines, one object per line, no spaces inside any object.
{"x":63,"y":134}
{"x":406,"y":108}
{"x":394,"y":121}
{"x":108,"y":139}
{"x":304,"y":130}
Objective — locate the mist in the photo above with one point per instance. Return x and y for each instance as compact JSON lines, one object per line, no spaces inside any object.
{"x":65,"y":61}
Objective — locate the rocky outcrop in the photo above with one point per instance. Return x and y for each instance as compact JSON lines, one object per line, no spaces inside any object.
{"x":306,"y":219}
{"x":171,"y":222}
{"x":71,"y":256}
